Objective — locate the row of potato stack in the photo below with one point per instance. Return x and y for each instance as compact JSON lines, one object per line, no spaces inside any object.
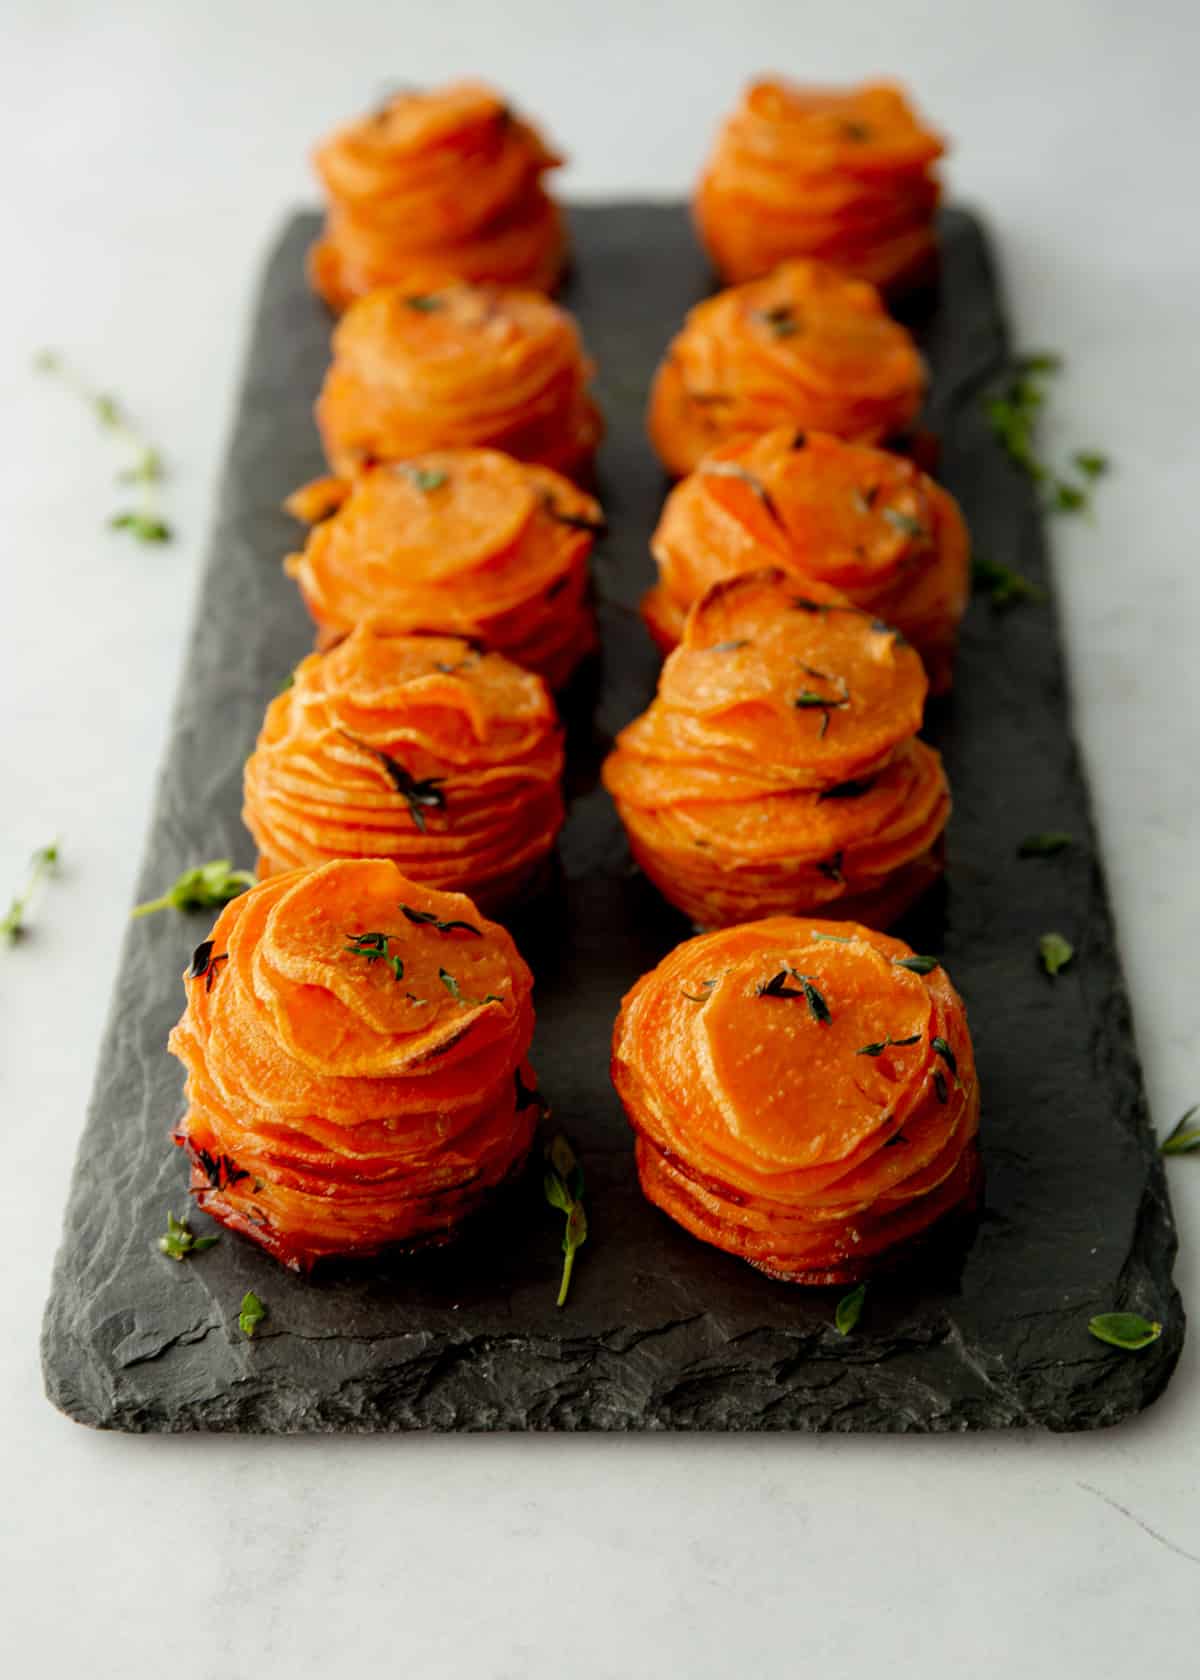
{"x":356,"y":1031}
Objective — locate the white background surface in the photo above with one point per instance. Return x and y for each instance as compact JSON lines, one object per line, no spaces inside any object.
{"x":148,"y":153}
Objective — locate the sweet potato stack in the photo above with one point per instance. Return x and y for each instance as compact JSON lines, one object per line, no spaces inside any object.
{"x":455,"y":367}
{"x":435,"y":186}
{"x":777,"y":770}
{"x":416,"y":748}
{"x":846,"y":177}
{"x":805,"y":347}
{"x":466,"y":541}
{"x":863,"y":520}
{"x":355,"y":1051}
{"x":803,"y":1093}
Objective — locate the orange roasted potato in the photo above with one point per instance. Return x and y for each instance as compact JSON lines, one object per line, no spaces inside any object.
{"x":419,"y":749}
{"x":865,"y":521}
{"x":355,"y":1050}
{"x":843,"y":175}
{"x":456,"y":367}
{"x":777,"y":771}
{"x":803,"y":1093}
{"x":435,"y":186}
{"x":465,"y":541}
{"x":806,"y":348}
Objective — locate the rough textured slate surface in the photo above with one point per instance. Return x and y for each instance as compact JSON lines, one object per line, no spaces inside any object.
{"x":660,"y":1332}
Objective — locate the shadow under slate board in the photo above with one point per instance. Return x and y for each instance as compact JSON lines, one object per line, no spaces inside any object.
{"x":660,"y":1332}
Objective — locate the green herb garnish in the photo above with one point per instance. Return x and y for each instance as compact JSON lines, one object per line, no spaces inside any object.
{"x":942,"y":1049}
{"x":426,"y":478}
{"x":904,"y":523}
{"x":849,"y":1310}
{"x":205,"y":963}
{"x":889,"y":1043}
{"x":425,"y":303}
{"x":1045,"y":845}
{"x":252,"y":1313}
{"x":917,"y":965}
{"x":1005,"y":587}
{"x":145,"y":469}
{"x":426,"y":918}
{"x":1184,"y":1136}
{"x":179,"y":1242}
{"x":1014,"y":413}
{"x":44,"y":860}
{"x":206,"y":887}
{"x":1124,"y":1330}
{"x":728,"y":647}
{"x":777,"y":987}
{"x":781,"y":320}
{"x":1055,"y":952}
{"x":704,"y":994}
{"x":731,"y":469}
{"x":420,"y":796}
{"x":374,"y":947}
{"x":562,"y":1182}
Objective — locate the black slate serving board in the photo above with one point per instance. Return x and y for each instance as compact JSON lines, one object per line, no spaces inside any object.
{"x":660,"y":1332}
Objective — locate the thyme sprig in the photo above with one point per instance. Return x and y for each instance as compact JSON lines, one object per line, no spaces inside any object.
{"x":889,"y":1043}
{"x":373,"y":947}
{"x":178,"y":1241}
{"x":206,"y":963}
{"x":562,"y":1182}
{"x":809,"y":700}
{"x":144,"y":471}
{"x":427,"y":918}
{"x":1014,"y":414}
{"x":44,"y":860}
{"x":419,"y":795}
{"x":207,"y":886}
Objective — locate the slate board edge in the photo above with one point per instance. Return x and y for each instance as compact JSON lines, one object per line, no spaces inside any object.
{"x":401,"y":1393}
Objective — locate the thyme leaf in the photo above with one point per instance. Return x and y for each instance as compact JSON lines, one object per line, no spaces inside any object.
{"x":917,"y":965}
{"x":420,"y":796}
{"x":205,"y":965}
{"x":904,"y":523}
{"x":942,"y":1049}
{"x":207,"y":886}
{"x":427,"y":918}
{"x":425,"y":303}
{"x":883,"y":1044}
{"x":1055,"y":952}
{"x":251,"y":1314}
{"x":777,"y":987}
{"x":1005,"y":587}
{"x":1045,"y":845}
{"x":425,"y":478}
{"x":1184,"y":1136}
{"x":849,"y":1310}
{"x":1125,"y":1330}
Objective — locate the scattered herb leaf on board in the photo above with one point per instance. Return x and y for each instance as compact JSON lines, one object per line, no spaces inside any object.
{"x":178,"y":1241}
{"x":144,"y":471}
{"x":206,"y":887}
{"x":1048,"y":844}
{"x":1184,"y":1136}
{"x":252,"y":1313}
{"x":1003,"y":586}
{"x":1014,"y":413}
{"x":562,"y":1182}
{"x":1055,"y":952}
{"x":1124,"y":1330}
{"x":849,"y":1310}
{"x":12,"y":926}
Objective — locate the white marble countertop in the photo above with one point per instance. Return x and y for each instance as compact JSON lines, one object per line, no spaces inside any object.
{"x":150,"y":151}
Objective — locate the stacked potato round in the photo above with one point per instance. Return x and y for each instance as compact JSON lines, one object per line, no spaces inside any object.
{"x":355,"y":1051}
{"x":777,"y":770}
{"x":462,"y":540}
{"x":844,"y":176}
{"x":457,"y":367}
{"x":863,"y":520}
{"x":416,"y":748}
{"x":804,"y":1095}
{"x":805,"y":347}
{"x":434,"y":186}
